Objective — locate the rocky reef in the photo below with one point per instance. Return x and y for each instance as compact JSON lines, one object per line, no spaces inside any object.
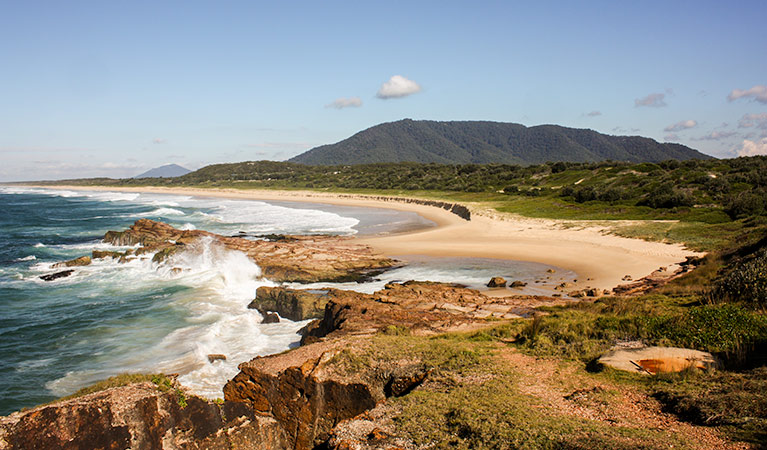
{"x":303,"y":259}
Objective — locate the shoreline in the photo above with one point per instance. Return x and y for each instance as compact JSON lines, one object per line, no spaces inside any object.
{"x":601,"y":260}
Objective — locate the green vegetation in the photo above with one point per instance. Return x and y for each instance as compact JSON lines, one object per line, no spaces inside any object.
{"x":488,"y":142}
{"x":163,"y":383}
{"x":746,"y":282}
{"x":475,"y":399}
{"x":736,"y":401}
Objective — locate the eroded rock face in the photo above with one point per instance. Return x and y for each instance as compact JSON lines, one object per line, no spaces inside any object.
{"x":140,"y":416}
{"x":291,"y":304}
{"x":303,"y":259}
{"x":309,"y":392}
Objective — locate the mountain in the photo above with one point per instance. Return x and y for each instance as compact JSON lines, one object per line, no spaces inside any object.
{"x":428,"y":141}
{"x":166,"y":171}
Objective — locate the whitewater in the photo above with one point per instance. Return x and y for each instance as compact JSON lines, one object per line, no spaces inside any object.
{"x":110,"y":318}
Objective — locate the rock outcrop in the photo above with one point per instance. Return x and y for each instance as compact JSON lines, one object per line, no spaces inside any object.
{"x":656,"y":279}
{"x":57,"y":275}
{"x":140,"y":416}
{"x":418,"y":306}
{"x":303,"y":259}
{"x":81,"y":261}
{"x":291,"y":304}
{"x":309,"y":390}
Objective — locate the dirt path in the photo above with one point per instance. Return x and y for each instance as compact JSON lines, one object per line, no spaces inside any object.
{"x":568,"y":390}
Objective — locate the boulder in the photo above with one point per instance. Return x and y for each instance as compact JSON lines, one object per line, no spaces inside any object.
{"x":497,"y":282}
{"x":292,"y":304}
{"x":654,"y":360}
{"x":57,"y":275}
{"x":269,"y":317}
{"x":213,"y":357}
{"x":517,"y":283}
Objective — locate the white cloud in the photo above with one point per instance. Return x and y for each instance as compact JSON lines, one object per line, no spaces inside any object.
{"x":653,"y":100}
{"x":671,"y":137}
{"x":753,"y":120}
{"x":594,"y":113}
{"x":716,"y":136}
{"x":752,"y":148}
{"x":159,"y":141}
{"x":343,"y":102}
{"x":758,"y":93}
{"x":398,"y":86}
{"x":279,"y":145}
{"x":683,"y":125}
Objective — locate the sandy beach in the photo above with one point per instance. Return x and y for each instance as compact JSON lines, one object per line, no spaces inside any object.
{"x":601,"y":260}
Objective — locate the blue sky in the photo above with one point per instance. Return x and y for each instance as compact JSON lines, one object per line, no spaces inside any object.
{"x":114,"y":88}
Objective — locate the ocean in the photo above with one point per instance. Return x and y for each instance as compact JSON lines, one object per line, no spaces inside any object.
{"x":110,"y":318}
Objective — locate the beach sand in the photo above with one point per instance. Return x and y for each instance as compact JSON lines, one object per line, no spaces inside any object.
{"x":601,"y":260}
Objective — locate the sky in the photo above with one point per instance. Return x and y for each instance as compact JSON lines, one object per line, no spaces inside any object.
{"x":114,"y":88}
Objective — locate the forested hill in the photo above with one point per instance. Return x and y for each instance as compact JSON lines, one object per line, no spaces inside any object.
{"x":427,"y":141}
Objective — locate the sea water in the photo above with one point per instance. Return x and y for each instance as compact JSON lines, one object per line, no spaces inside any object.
{"x":110,"y":318}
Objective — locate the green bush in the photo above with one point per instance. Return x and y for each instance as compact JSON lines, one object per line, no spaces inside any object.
{"x":666,"y":196}
{"x":746,"y":204}
{"x":746,"y":283}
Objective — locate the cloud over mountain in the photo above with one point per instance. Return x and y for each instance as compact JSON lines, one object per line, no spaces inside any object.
{"x":397,"y":87}
{"x":683,"y":125}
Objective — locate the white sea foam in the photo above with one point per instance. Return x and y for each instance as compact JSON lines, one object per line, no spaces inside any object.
{"x":162,"y":212}
{"x":223,"y":282}
{"x":39,"y":245}
{"x":27,"y":258}
{"x":111,"y":196}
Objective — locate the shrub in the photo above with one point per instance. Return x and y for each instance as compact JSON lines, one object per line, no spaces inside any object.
{"x":746,"y":204}
{"x":667,"y":196}
{"x":746,"y":283}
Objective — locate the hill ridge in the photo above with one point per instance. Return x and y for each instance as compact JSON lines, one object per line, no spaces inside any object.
{"x":481,"y":142}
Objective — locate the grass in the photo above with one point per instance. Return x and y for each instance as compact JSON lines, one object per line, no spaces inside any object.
{"x":734,"y":401}
{"x":463,"y":410}
{"x":473,"y":398}
{"x":164,"y":384}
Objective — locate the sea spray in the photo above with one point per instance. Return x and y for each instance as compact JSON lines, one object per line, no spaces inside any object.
{"x":217,"y":320}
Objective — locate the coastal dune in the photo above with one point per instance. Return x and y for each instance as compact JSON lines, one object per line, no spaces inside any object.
{"x":600,"y":259}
